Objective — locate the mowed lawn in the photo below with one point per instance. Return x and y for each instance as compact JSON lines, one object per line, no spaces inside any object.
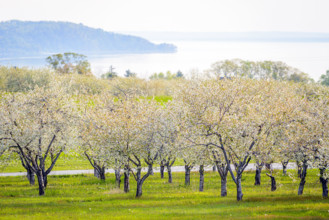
{"x":65,"y":162}
{"x":85,"y":197}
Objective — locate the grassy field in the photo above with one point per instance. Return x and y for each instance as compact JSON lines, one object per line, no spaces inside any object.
{"x":65,"y":162}
{"x":85,"y":197}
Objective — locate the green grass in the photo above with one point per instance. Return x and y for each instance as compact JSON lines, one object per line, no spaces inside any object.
{"x":162,"y":99}
{"x":65,"y":162}
{"x":85,"y":197}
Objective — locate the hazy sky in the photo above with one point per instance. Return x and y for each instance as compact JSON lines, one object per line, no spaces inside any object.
{"x":177,"y":15}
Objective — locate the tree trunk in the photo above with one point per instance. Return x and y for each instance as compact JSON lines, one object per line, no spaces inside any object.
{"x":284,"y":169}
{"x":140,"y":180}
{"x":201,"y":185}
{"x":284,"y":166}
{"x":299,"y":170}
{"x":139,"y":191}
{"x":126,"y":179}
{"x":169,"y":174}
{"x":258,"y":175}
{"x":214,"y":168}
{"x":301,"y":186}
{"x":102,"y":174}
{"x":162,"y":167}
{"x":324,"y":183}
{"x":30,"y":176}
{"x":239,"y":193}
{"x":223,"y":188}
{"x":29,"y":172}
{"x":45,"y":179}
{"x":222,"y":171}
{"x":99,"y":172}
{"x":41,"y":183}
{"x":151,"y":170}
{"x":187,"y":175}
{"x":273,"y":182}
{"x":117,"y":177}
{"x":302,"y":179}
{"x":96,"y":173}
{"x":268,"y":166}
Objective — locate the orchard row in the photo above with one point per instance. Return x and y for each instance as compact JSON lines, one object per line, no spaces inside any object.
{"x":205,"y":122}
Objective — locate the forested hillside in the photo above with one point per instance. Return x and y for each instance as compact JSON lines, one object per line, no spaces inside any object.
{"x":18,"y":38}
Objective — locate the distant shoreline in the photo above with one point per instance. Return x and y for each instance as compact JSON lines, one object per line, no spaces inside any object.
{"x":289,"y":37}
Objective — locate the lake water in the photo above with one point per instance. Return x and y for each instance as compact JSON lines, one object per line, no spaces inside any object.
{"x":197,"y":56}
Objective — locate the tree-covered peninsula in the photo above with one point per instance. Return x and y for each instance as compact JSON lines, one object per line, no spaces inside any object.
{"x":27,"y":38}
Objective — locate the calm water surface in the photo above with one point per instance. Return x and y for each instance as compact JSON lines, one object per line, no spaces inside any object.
{"x":197,"y":56}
